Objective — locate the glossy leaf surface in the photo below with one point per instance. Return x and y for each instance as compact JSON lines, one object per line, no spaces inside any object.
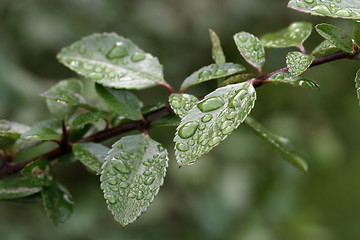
{"x":58,"y":203}
{"x":92,"y":155}
{"x":237,"y":79}
{"x":121,"y":101}
{"x":10,"y":132}
{"x":357,"y":85}
{"x":212,"y":120}
{"x":251,"y":49}
{"x":336,"y":36}
{"x":294,"y":81}
{"x":210,"y":72}
{"x":294,"y":35}
{"x":348,"y":9}
{"x":39,"y":173}
{"x":298,"y":62}
{"x":132,"y":174}
{"x":182,"y":103}
{"x":170,"y":120}
{"x":17,"y":187}
{"x":89,"y":117}
{"x":278,"y":143}
{"x":112,"y":61}
{"x":324,"y":47}
{"x":216,"y":51}
{"x":41,"y":133}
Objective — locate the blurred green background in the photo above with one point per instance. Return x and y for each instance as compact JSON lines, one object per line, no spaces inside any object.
{"x":242,"y":189}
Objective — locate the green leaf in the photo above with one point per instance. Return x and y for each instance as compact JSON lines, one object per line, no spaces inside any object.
{"x":170,"y":120}
{"x":356,"y":32}
{"x":39,"y":173}
{"x":16,"y":187}
{"x":251,"y":49}
{"x":210,"y":72}
{"x":212,"y":120}
{"x":57,"y":202}
{"x":237,"y":79}
{"x":92,"y":155}
{"x":324,"y":47}
{"x":292,"y":36}
{"x":347,"y":9}
{"x":357,"y":85}
{"x":132,"y":174}
{"x":112,"y":61}
{"x":299,"y":81}
{"x":121,"y":101}
{"x":280,"y":144}
{"x":298,"y":62}
{"x":216,"y":51}
{"x":152,"y":108}
{"x":181,"y":103}
{"x":10,"y":132}
{"x":336,"y":36}
{"x":88,"y":117}
{"x":41,"y":133}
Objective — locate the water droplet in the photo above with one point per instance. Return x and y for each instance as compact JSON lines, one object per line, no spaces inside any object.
{"x":149,"y":180}
{"x":139,"y":195}
{"x":231,"y":115}
{"x":309,"y":1}
{"x":188,"y":129}
{"x":120,"y":166}
{"x":112,"y":199}
{"x":124,"y":184}
{"x":132,"y":195}
{"x":111,"y":171}
{"x":243,"y":38}
{"x":112,"y":181}
{"x":138,"y":56}
{"x":321,"y":9}
{"x":228,"y":130}
{"x":175,"y":104}
{"x":214,"y":141}
{"x":147,"y":173}
{"x":204,"y":74}
{"x":96,"y":76}
{"x":191,"y":142}
{"x":210,"y":104}
{"x":220,"y":72}
{"x":225,"y":124}
{"x":206,"y":118}
{"x":238,"y":99}
{"x":124,"y":155}
{"x":182,"y":147}
{"x":118,"y":51}
{"x":343,"y":13}
{"x":160,"y":148}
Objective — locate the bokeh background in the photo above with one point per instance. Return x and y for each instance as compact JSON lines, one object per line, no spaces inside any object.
{"x":242,"y":189}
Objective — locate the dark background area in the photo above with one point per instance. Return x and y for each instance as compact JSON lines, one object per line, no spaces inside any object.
{"x":242,"y":189}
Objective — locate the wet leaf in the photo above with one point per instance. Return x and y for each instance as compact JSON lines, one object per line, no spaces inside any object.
{"x":182,"y":103}
{"x":216,"y":51}
{"x":133,"y":172}
{"x":112,"y":61}
{"x":298,"y":62}
{"x":170,"y":120}
{"x":92,"y":155}
{"x":292,"y":36}
{"x":212,"y":120}
{"x":39,"y":173}
{"x":152,"y":108}
{"x":213,"y":71}
{"x":280,"y":144}
{"x":251,"y":49}
{"x":41,"y":133}
{"x":58,"y":203}
{"x":10,"y":132}
{"x":237,"y":79}
{"x":323,"y":48}
{"x":89,"y":117}
{"x":348,"y":9}
{"x":17,"y":187}
{"x":336,"y":36}
{"x":299,"y":81}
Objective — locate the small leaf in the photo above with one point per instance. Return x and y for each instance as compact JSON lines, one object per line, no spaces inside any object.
{"x":210,"y":72}
{"x":212,"y":120}
{"x":92,"y":155}
{"x":237,"y":79}
{"x":324,"y":47}
{"x":39,"y":173}
{"x":292,"y":36}
{"x":336,"y":36}
{"x":251,"y":49}
{"x":299,"y":81}
{"x":112,"y":61}
{"x":347,"y":9}
{"x":10,"y":132}
{"x":57,"y":202}
{"x":357,"y":85}
{"x":298,"y":62}
{"x":182,"y":103}
{"x":132,"y":174}
{"x":17,"y":187}
{"x":121,"y":101}
{"x":356,"y":32}
{"x":280,"y":144}
{"x":152,"y":108}
{"x":41,"y":133}
{"x":88,"y":117}
{"x":216,"y":51}
{"x":170,"y":120}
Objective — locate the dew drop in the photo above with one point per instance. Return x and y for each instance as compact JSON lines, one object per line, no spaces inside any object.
{"x":111,"y":171}
{"x":124,"y":184}
{"x":206,"y":118}
{"x":204,"y":74}
{"x":231,"y":115}
{"x":138,"y":56}
{"x":191,"y":142}
{"x":149,"y":180}
{"x":188,"y":129}
{"x":112,"y":199}
{"x":112,"y":181}
{"x":118,"y":51}
{"x":309,"y":1}
{"x":132,"y":195}
{"x":210,"y":104}
{"x":124,"y":155}
{"x":228,"y":130}
{"x":175,"y":104}
{"x":321,"y":9}
{"x":147,"y":173}
{"x":160,"y":148}
{"x":220,"y":72}
{"x":120,"y":166}
{"x":214,"y":141}
{"x":96,"y":76}
{"x":343,"y":13}
{"x":182,"y":147}
{"x":225,"y":124}
{"x":139,"y":195}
